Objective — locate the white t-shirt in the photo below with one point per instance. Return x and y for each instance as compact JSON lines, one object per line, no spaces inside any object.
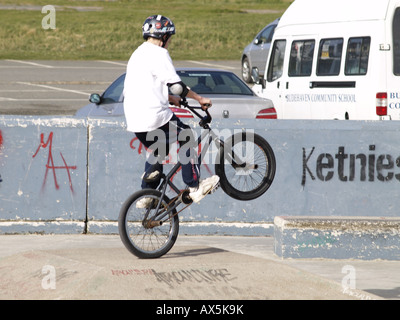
{"x":146,"y":103}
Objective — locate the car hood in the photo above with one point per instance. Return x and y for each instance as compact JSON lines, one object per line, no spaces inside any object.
{"x":93,"y":110}
{"x":247,"y":48}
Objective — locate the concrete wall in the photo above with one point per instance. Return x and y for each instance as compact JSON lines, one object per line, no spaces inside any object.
{"x":67,"y":175}
{"x":43,"y":170}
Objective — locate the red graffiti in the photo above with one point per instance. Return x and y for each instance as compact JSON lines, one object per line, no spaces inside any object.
{"x":141,"y":145}
{"x":131,"y":272}
{"x":50,"y":162}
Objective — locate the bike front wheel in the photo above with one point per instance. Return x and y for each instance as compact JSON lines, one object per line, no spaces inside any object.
{"x":246,"y":166}
{"x":145,"y":231}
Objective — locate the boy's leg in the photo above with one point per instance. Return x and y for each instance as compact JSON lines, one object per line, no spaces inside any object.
{"x":153,"y":166}
{"x":191,"y":167}
{"x":151,"y":176}
{"x":187,"y":153}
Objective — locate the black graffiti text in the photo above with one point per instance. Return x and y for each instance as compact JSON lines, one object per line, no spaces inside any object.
{"x":349,"y":167}
{"x":194,"y":276}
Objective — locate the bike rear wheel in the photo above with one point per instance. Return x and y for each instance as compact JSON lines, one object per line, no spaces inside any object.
{"x":246,"y":166}
{"x":142,"y":233}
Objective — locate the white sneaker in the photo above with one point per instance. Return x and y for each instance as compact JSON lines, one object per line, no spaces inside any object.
{"x":153,"y":176}
{"x":204,"y":188}
{"x":145,"y":203}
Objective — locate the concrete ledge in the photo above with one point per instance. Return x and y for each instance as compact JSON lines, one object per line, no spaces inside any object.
{"x":365,"y":238}
{"x":42,"y":227}
{"x":195,"y":228}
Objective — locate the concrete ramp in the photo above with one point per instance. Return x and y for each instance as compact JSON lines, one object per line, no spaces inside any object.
{"x":186,"y":273}
{"x":365,"y":238}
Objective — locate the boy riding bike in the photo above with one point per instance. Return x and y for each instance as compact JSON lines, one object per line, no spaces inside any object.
{"x":150,"y":74}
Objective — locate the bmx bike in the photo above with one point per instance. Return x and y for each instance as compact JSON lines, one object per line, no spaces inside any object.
{"x":152,"y":231}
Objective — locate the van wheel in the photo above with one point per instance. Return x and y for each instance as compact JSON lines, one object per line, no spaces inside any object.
{"x":246,"y":70}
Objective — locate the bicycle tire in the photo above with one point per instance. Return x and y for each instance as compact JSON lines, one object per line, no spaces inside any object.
{"x":252,"y":180}
{"x":146,"y":242}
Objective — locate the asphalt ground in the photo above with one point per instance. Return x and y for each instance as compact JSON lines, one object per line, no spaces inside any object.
{"x":62,"y":87}
{"x":198,"y":268}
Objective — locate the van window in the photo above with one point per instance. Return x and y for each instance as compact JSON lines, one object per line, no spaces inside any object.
{"x":329,"y":57}
{"x":396,"y":42}
{"x":301,"y":58}
{"x":357,"y":56}
{"x":275,"y":68}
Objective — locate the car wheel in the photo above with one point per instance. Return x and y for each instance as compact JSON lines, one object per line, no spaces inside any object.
{"x":246,"y":70}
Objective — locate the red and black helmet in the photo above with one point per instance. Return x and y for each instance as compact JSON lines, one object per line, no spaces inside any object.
{"x":158,"y":26}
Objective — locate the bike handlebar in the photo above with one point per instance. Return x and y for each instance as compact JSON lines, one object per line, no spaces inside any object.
{"x":203,"y":120}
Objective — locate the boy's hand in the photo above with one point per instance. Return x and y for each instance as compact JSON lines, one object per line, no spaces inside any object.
{"x":174,"y":100}
{"x":205,"y":103}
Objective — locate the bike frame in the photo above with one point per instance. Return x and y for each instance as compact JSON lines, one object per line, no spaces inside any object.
{"x":167,"y":179}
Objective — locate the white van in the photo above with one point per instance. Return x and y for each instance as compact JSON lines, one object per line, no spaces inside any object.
{"x":335,"y":60}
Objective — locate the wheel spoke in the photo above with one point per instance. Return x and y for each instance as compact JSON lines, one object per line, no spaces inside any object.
{"x":141,"y":238}
{"x":253,"y":178}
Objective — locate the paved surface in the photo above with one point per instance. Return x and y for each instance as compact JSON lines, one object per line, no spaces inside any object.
{"x":197,"y":268}
{"x":99,"y":267}
{"x":62,"y":87}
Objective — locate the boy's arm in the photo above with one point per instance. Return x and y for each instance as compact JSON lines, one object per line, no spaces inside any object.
{"x":179,"y":88}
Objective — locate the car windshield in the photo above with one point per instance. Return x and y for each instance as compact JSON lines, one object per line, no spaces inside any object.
{"x":114,"y":91}
{"x":214,"y":82}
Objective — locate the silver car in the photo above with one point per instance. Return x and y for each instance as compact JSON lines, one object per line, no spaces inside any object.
{"x":255,"y":55}
{"x":231,"y":97}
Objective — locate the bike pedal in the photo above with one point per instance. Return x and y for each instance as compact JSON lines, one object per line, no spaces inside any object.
{"x":185,"y":197}
{"x":215,"y":188}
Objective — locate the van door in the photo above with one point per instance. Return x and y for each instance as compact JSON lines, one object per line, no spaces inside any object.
{"x":274,"y":76}
{"x":296,"y":99}
{"x":356,"y":99}
{"x":393,"y":72}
